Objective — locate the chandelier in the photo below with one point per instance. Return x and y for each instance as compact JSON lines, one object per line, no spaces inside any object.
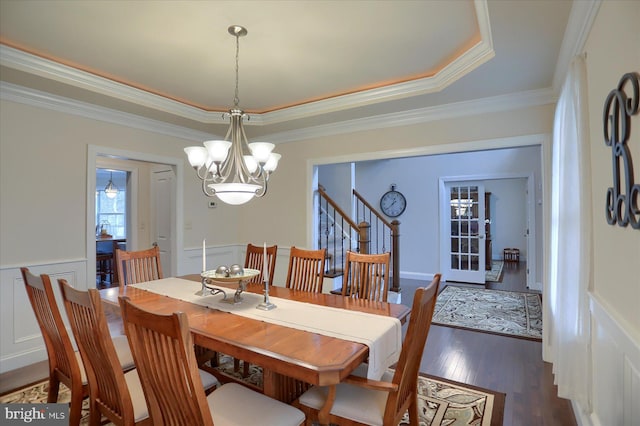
{"x":233,"y":169}
{"x":111,"y":191}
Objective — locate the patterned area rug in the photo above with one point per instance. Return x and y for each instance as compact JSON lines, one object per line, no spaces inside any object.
{"x":508,"y":313}
{"x":440,"y":402}
{"x":495,"y":274}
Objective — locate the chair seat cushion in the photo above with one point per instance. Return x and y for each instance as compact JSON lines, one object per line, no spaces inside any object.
{"x":233,"y":404}
{"x":124,"y":352}
{"x":140,"y":410}
{"x":352,"y":402}
{"x":208,"y":380}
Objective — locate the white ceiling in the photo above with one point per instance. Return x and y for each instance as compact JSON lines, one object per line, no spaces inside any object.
{"x":303,"y":63}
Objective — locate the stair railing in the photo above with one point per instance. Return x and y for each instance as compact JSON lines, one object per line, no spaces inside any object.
{"x":337,"y":232}
{"x":384,"y":236}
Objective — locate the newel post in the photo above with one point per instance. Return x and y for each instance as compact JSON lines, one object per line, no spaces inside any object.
{"x":363,"y":237}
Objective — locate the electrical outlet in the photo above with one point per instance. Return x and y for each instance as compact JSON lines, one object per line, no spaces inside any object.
{"x":212,"y":204}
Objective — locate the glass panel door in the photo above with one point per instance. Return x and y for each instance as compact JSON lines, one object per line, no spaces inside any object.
{"x":466,"y":232}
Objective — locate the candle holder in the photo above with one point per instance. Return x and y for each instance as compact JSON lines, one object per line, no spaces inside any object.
{"x":205,"y":290}
{"x":266,"y":305}
{"x":211,"y":277}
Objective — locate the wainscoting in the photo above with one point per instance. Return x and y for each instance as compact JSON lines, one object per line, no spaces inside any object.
{"x":616,"y":370}
{"x":21,"y":341}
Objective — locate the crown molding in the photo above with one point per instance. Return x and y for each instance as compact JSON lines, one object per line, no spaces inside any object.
{"x":17,"y":59}
{"x":462,"y":65}
{"x":581,"y":18}
{"x":28,"y":96}
{"x":513,"y":101}
{"x":441,"y":112}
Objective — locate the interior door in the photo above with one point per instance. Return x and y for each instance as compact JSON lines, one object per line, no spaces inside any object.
{"x":464,"y":225}
{"x":164,"y":208}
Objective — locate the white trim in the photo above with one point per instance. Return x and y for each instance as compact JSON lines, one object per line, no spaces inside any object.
{"x":17,"y":59}
{"x":507,"y":102}
{"x":438,"y":148}
{"x":615,"y":349}
{"x":583,"y":13}
{"x":46,"y":100}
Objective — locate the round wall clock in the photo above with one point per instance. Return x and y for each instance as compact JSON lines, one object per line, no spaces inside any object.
{"x":393,"y":203}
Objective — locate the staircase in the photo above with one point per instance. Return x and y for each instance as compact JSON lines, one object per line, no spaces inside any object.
{"x":338,"y":233}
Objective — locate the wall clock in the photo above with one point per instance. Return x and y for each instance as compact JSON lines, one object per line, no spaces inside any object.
{"x":393,"y":203}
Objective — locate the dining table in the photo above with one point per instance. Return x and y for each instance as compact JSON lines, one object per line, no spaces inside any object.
{"x":292,"y":359}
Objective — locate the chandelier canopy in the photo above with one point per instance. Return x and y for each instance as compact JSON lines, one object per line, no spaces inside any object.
{"x":233,"y":169}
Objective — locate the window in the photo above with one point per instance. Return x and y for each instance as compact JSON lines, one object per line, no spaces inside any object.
{"x":111,"y":212}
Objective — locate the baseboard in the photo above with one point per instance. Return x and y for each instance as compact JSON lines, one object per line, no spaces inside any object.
{"x":421,"y":276}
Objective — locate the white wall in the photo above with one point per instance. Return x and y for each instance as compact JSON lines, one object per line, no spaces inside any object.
{"x":613,"y":49}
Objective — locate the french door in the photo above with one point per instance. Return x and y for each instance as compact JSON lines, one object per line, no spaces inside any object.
{"x":463,"y":213}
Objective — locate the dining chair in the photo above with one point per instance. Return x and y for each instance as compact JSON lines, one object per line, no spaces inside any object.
{"x":162,"y":348}
{"x":138,"y":266}
{"x":113,"y":394}
{"x":361,"y":401}
{"x":306,"y":269}
{"x":366,"y":276}
{"x":65,"y":364}
{"x":145,"y":265}
{"x":254,"y":259}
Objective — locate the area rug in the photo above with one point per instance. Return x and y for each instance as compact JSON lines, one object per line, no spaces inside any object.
{"x":495,"y":274}
{"x":441,"y":402}
{"x":507,"y":313}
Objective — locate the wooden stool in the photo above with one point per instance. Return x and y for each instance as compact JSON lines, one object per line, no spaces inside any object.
{"x":511,"y":255}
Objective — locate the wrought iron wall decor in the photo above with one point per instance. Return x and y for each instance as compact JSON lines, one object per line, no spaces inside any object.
{"x":623,"y":198}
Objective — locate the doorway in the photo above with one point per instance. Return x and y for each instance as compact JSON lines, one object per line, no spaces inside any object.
{"x":112,"y":218}
{"x":511,"y":221}
{"x":464,"y":226}
{"x":141,"y":208}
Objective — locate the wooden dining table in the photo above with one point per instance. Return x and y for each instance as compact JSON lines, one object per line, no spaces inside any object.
{"x":291,"y":359}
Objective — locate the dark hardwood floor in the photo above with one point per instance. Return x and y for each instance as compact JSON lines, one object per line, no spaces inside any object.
{"x":504,"y":364}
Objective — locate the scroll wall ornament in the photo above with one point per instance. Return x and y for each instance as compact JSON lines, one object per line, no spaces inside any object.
{"x":623,"y":198}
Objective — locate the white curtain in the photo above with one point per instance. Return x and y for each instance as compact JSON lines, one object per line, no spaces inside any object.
{"x":571,"y":242}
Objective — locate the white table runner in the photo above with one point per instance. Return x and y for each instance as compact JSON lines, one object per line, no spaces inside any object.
{"x":382,"y":334}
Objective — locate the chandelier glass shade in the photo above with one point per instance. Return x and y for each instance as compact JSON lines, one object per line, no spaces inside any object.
{"x":233,"y":169}
{"x":111,"y":191}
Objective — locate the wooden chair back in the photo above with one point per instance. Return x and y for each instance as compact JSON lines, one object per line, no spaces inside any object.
{"x":306,"y":269}
{"x":366,"y":276}
{"x":162,"y":347}
{"x":408,"y":367}
{"x":254,"y":259}
{"x":138,"y":266}
{"x":63,"y":362}
{"x":109,"y":393}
